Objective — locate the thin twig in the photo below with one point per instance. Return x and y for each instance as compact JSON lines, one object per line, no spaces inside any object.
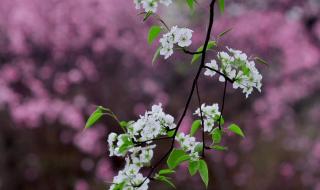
{"x":202,"y":121}
{"x":223,"y":98}
{"x":220,"y":73}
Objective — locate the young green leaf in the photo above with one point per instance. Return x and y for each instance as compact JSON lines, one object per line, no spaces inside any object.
{"x":199,"y":147}
{"x":193,"y":167}
{"x":203,"y":170}
{"x":196,"y":57}
{"x":123,"y":124}
{"x":195,"y":126}
{"x":166,"y":171}
{"x":216,"y":118}
{"x":170,"y":133}
{"x":156,"y":55}
{"x":219,"y":148}
{"x":236,"y":129}
{"x":127,"y":143}
{"x":165,"y":179}
{"x":176,"y":157}
{"x":216,"y":135}
{"x":94,"y":117}
{"x":221,"y":5}
{"x":190,"y":4}
{"x":119,"y":186}
{"x":153,"y":33}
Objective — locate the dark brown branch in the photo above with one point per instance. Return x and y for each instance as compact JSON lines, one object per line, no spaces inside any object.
{"x":223,"y":98}
{"x":202,"y":121}
{"x":191,"y":52}
{"x":195,"y":80}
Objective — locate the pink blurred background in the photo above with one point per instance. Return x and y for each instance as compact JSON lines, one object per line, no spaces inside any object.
{"x":60,"y":58}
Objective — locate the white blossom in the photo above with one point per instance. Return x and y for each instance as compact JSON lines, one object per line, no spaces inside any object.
{"x":184,"y":36}
{"x":176,"y":36}
{"x":210,"y":115}
{"x":189,"y":144}
{"x":149,"y":126}
{"x":150,"y":5}
{"x":235,"y":65}
{"x":213,"y":65}
{"x":166,"y":2}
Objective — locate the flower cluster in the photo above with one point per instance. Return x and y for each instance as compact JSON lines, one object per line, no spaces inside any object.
{"x":130,"y":145}
{"x":180,"y":36}
{"x":150,"y":5}
{"x":189,"y":145}
{"x":211,"y":114}
{"x":236,"y":66}
{"x":129,"y":178}
{"x":152,"y":124}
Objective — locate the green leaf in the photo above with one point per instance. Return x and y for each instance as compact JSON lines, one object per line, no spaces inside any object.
{"x":219,"y":148}
{"x":170,"y":133}
{"x":176,"y":157}
{"x":216,"y":135}
{"x":216,"y":118}
{"x":127,"y":143}
{"x":165,"y":179}
{"x":203,"y":170}
{"x":119,"y":186}
{"x":195,"y":126}
{"x":224,"y":32}
{"x":236,"y":129}
{"x":166,"y":171}
{"x":153,"y":33}
{"x":123,"y":124}
{"x":156,"y":55}
{"x":199,"y":147}
{"x":147,"y":15}
{"x":221,"y":5}
{"x":193,"y":167}
{"x":94,"y":117}
{"x":190,"y":4}
{"x":196,"y":57}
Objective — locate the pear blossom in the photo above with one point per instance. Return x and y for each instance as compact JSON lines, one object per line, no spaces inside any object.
{"x":235,"y":65}
{"x":149,"y":126}
{"x":189,"y":145}
{"x":130,"y":178}
{"x":210,"y":115}
{"x":213,"y":64}
{"x":150,"y":5}
{"x":176,"y":36}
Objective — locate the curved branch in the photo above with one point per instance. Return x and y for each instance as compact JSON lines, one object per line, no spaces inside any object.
{"x":223,"y":99}
{"x":202,"y":64}
{"x":191,"y":52}
{"x":202,"y":120}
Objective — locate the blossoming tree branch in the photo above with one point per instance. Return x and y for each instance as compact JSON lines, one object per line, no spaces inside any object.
{"x":137,"y":142}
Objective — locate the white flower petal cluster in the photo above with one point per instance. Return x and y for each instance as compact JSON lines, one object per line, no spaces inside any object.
{"x":129,"y":178}
{"x":189,"y":145}
{"x":179,"y":36}
{"x":150,"y":5}
{"x":149,"y":126}
{"x":152,"y":124}
{"x":236,"y":65}
{"x":210,"y":114}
